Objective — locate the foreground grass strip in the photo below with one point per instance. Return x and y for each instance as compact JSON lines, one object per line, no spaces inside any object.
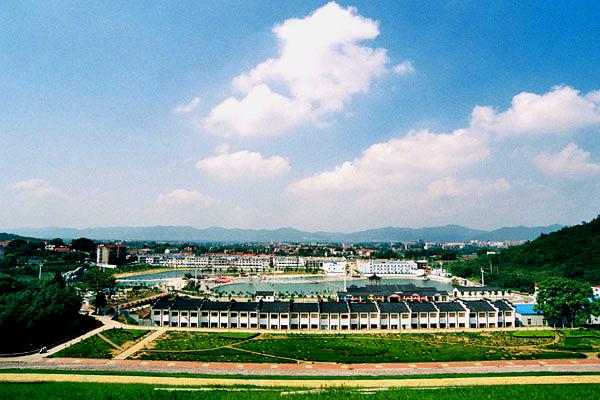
{"x":249,"y":378}
{"x":317,"y":383}
{"x":45,"y":391}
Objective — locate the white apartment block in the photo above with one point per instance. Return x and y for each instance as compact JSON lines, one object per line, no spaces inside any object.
{"x":384,"y":267}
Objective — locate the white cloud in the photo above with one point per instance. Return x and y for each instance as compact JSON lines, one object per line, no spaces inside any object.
{"x":417,"y":156}
{"x":188,"y":107}
{"x":571,"y":163}
{"x":321,"y":64}
{"x":243,"y":165}
{"x":180,"y":197}
{"x":261,"y":112}
{"x":404,"y":68}
{"x":468,"y":188}
{"x":562,"y":110}
{"x":36,"y":189}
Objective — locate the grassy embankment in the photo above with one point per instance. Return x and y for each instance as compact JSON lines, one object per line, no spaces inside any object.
{"x":375,"y":348}
{"x":45,"y":391}
{"x":96,"y":347}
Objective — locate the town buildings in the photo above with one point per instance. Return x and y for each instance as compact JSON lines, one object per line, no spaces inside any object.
{"x":111,"y":255}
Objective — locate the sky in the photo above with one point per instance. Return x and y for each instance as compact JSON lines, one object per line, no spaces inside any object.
{"x":319,"y":116}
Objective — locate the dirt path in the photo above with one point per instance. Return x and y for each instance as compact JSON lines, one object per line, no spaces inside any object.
{"x":316,"y":383}
{"x":139,"y":345}
{"x":107,"y":340}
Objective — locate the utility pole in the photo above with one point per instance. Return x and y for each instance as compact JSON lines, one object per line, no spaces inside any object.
{"x":482,"y":278}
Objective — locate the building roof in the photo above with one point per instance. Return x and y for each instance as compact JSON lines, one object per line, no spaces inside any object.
{"x":395,"y":307}
{"x":275,"y":307}
{"x":186,"y":303}
{"x":305,"y":307}
{"x":363,"y":307}
{"x":479,"y":288}
{"x":449,"y":306}
{"x":425,"y":306}
{"x":162,"y":304}
{"x":265,"y":293}
{"x":334,"y":308}
{"x":527,"y":309}
{"x":210,"y":305}
{"x":502,"y":305}
{"x":243,"y":306}
{"x":478,"y":305}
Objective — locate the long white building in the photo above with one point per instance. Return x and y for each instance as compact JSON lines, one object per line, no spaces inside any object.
{"x":327,"y":316}
{"x":385,"y":267}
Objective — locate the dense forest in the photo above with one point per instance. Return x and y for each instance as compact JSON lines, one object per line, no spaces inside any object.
{"x":572,"y":252}
{"x":38,"y":313}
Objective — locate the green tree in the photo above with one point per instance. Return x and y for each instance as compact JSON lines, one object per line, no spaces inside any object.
{"x":58,"y":242}
{"x":565,"y":299}
{"x":97,"y":279}
{"x":83,"y":244}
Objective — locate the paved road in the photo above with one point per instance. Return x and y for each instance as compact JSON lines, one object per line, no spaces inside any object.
{"x":308,"y":369}
{"x":312,"y":383}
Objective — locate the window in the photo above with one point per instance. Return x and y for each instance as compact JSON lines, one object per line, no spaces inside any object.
{"x":184,"y":313}
{"x":174,"y":313}
{"x":384,"y":316}
{"x":334,"y":316}
{"x":508,"y":313}
{"x":323,"y":316}
{"x":294,"y":315}
{"x":205,"y":313}
{"x":244,"y":314}
{"x":492,"y":314}
{"x":452,"y":314}
{"x":304,"y":315}
{"x":481,"y":315}
{"x":423,"y":315}
{"x":274,"y":316}
{"x":354,"y":315}
{"x":414,"y":315}
{"x":314,"y":315}
{"x":253,"y":315}
{"x":263,"y":315}
{"x":156,"y":312}
{"x":472,"y":315}
{"x":443,"y":315}
{"x":233,"y":314}
{"x":405,"y":315}
{"x":214,"y":314}
{"x":224,"y":314}
{"x":364,"y":315}
{"x":284,"y":316}
{"x":194,"y":314}
{"x":373,"y":315}
{"x":461,"y":314}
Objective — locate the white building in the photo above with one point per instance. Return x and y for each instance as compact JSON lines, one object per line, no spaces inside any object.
{"x":335,"y":267}
{"x":281,"y":263}
{"x":383,"y":267}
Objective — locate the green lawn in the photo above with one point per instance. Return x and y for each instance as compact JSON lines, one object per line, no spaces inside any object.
{"x":581,"y":340}
{"x":92,"y":347}
{"x":95,"y":347}
{"x":122,"y":336}
{"x":174,"y":340}
{"x":349,"y":348}
{"x":84,"y":391}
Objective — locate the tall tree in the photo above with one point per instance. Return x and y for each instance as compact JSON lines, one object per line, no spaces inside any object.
{"x":565,"y":299}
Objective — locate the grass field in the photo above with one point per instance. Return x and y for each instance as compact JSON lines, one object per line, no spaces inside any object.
{"x":96,"y":347}
{"x":76,"y":391}
{"x":364,"y":348}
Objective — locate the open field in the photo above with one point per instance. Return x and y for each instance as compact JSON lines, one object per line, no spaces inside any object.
{"x":364,"y":348}
{"x":424,"y":389}
{"x":105,"y":345}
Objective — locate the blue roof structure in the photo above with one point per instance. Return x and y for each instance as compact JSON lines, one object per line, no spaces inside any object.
{"x":527,"y":309}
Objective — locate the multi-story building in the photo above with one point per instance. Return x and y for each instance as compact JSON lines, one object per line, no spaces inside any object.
{"x":111,"y":254}
{"x":279,"y":315}
{"x":281,"y":263}
{"x":385,"y":267}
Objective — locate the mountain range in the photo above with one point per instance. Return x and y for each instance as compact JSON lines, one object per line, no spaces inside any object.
{"x":445,"y":233}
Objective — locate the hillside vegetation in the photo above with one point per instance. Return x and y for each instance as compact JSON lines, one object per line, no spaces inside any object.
{"x":572,"y":252}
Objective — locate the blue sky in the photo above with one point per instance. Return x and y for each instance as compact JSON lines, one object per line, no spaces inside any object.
{"x":333,"y":116}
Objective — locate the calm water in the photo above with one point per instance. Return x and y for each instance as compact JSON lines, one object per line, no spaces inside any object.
{"x":322,"y":286}
{"x":304,"y":285}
